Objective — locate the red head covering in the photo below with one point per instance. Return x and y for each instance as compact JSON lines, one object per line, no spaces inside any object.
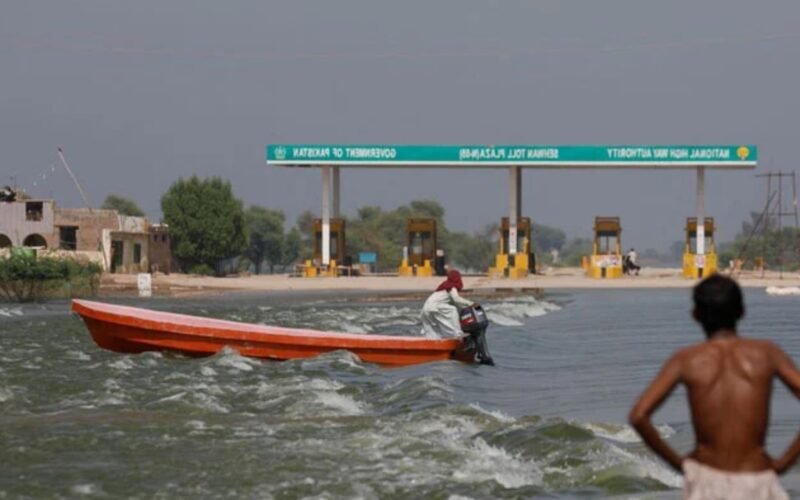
{"x":453,"y":281}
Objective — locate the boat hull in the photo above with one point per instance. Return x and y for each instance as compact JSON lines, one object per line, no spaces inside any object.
{"x":135,"y":330}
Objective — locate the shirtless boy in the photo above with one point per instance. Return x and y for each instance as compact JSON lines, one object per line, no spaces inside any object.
{"x":729,"y":383}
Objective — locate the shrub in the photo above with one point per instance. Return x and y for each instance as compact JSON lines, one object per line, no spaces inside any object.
{"x":24,"y":277}
{"x":202,"y":270}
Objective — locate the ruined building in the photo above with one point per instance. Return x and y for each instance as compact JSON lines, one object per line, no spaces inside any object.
{"x":122,"y":244}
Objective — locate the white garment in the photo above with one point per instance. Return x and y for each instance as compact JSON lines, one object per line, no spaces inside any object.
{"x":632,"y":256}
{"x":440,"y":317}
{"x":701,"y":482}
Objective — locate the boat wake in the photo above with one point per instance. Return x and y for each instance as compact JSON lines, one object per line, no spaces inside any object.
{"x":11,"y":312}
{"x":514,"y":311}
{"x":401,"y":319}
{"x":783,"y":290}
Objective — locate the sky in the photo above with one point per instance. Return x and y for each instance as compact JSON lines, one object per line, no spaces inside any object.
{"x":142,"y":93}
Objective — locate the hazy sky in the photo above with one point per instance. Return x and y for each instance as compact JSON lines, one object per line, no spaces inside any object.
{"x":142,"y":92}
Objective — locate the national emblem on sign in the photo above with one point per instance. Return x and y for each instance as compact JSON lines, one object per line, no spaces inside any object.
{"x":743,"y":152}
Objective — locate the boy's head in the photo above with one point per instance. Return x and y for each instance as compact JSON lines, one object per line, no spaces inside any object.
{"x":718,"y":303}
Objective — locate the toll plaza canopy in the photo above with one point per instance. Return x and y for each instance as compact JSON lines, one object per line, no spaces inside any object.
{"x":331,"y":157}
{"x":535,"y":156}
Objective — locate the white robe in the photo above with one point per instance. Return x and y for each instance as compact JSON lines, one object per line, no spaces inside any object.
{"x":440,"y":318}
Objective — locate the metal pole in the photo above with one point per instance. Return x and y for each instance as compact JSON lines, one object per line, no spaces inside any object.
{"x":700,"y":234}
{"x":515,"y":206}
{"x":74,"y":179}
{"x":326,"y":215}
{"x":794,"y":200}
{"x":780,"y":225}
{"x":766,"y":228}
{"x":336,"y":193}
{"x":796,"y":220}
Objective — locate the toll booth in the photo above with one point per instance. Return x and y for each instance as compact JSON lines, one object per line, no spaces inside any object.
{"x":420,"y":252}
{"x":523,"y":262}
{"x":696,"y":265}
{"x":606,"y":258}
{"x":337,"y":250}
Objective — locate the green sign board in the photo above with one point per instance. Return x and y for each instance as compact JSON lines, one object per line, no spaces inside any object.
{"x":541,"y":156}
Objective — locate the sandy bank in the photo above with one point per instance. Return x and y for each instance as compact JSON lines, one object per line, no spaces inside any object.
{"x":561,"y":278}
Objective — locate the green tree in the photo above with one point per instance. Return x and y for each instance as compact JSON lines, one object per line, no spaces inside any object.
{"x":292,"y":248}
{"x":206,"y":221}
{"x":676,"y":249}
{"x":305,"y":226}
{"x":305,"y":223}
{"x":369,"y":213}
{"x":125,"y":206}
{"x":265,"y":236}
{"x":427,"y":208}
{"x":546,"y":238}
{"x":471,"y":252}
{"x":574,"y":250}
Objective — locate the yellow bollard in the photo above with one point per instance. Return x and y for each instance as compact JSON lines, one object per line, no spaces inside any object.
{"x":309,"y":270}
{"x":405,"y":269}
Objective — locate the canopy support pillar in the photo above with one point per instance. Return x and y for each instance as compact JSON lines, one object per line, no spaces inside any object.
{"x":514,"y":207}
{"x":336,"y":211}
{"x":700,"y":236}
{"x":326,"y":215}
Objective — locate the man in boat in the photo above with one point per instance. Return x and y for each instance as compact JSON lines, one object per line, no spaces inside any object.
{"x":729,"y":382}
{"x":440,"y":312}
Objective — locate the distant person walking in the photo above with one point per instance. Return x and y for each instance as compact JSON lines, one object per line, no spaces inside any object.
{"x":629,"y":265}
{"x":554,"y":255}
{"x":729,"y":383}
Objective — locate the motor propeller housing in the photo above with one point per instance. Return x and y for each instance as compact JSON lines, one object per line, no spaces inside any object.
{"x":474,"y":323}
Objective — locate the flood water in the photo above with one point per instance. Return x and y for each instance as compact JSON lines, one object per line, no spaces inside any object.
{"x":547,"y":421}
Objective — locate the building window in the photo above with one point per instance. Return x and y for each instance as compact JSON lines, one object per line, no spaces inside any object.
{"x":35,"y":240}
{"x":137,"y":253}
{"x":5,"y":241}
{"x":34,"y":210}
{"x":68,"y":237}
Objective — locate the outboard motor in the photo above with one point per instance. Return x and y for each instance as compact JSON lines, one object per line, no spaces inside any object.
{"x":474,"y":323}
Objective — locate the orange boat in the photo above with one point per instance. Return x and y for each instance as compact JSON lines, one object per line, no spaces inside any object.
{"x":134,"y":330}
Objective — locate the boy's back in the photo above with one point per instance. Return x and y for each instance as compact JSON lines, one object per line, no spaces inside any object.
{"x":729,"y":382}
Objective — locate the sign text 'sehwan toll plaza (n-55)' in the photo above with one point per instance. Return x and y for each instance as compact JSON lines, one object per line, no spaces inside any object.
{"x":514,"y":158}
